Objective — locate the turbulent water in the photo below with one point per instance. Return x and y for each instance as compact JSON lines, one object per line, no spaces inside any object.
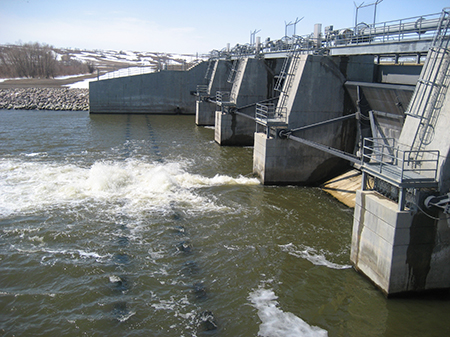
{"x":143,"y":226}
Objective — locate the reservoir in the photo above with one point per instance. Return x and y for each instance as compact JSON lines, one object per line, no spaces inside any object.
{"x":141,"y":225}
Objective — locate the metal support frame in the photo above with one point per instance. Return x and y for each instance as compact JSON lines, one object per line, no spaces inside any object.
{"x":287,"y":134}
{"x":328,"y":121}
{"x":399,"y":168}
{"x":362,"y":6}
{"x":325,"y":148}
{"x":286,"y":25}
{"x":405,"y":36}
{"x":401,"y":198}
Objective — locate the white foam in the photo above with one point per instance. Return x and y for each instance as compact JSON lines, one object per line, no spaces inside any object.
{"x":51,"y":256}
{"x":277,"y":323}
{"x":35,"y":154}
{"x":155,"y":255}
{"x":311,"y":255}
{"x":137,"y":186}
{"x":74,"y":253}
{"x":114,"y":279}
{"x":125,"y":316}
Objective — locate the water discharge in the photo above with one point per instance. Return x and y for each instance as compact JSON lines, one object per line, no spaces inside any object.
{"x":136,"y":185}
{"x":143,"y":226}
{"x":275,"y":322}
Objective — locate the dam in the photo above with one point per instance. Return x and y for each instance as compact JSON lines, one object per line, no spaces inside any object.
{"x":372,"y":98}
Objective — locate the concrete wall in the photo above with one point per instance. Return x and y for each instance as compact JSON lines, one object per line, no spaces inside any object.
{"x":398,"y":74}
{"x":398,"y":250}
{"x":317,"y":95}
{"x":219,"y":78}
{"x":359,"y":68}
{"x":164,"y":92}
{"x":205,"y":114}
{"x":233,"y":130}
{"x":434,"y":135}
{"x":285,"y":162}
{"x":252,"y":84}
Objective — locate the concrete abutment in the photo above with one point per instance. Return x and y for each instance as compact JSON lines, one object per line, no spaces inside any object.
{"x":399,"y":251}
{"x":163,"y":92}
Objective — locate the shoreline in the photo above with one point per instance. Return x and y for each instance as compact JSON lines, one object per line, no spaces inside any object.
{"x":42,"y":98}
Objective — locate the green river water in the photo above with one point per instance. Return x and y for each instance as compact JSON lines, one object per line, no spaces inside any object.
{"x":116,"y":225}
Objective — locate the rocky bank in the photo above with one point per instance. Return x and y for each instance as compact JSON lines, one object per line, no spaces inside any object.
{"x":44,"y":99}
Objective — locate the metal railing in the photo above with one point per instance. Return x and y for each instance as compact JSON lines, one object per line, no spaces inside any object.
{"x":384,"y":156}
{"x":419,"y":28}
{"x":267,"y":114}
{"x":202,"y":90}
{"x":432,"y":86}
{"x":410,"y":29}
{"x":116,"y":72}
{"x":125,"y":72}
{"x":222,"y":96}
{"x":264,"y":111}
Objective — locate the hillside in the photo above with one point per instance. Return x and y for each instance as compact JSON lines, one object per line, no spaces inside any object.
{"x":106,"y":64}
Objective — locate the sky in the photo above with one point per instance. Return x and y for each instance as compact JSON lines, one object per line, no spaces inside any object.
{"x":182,"y":26}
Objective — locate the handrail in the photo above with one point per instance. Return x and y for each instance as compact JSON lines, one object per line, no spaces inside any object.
{"x":418,"y":28}
{"x":202,"y":90}
{"x":264,"y":111}
{"x":222,"y":96}
{"x":413,"y":28}
{"x":269,"y":113}
{"x":385,"y":156}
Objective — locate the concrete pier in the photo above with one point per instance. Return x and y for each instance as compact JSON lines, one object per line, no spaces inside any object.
{"x":253,"y":82}
{"x":316,"y":94}
{"x":233,"y":130}
{"x":399,"y":251}
{"x":217,"y":80}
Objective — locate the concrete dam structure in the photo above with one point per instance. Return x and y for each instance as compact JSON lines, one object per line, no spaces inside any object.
{"x":372,"y":99}
{"x":163,"y":92}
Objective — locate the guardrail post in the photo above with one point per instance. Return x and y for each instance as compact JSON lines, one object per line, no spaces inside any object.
{"x":363,"y":180}
{"x":401,"y":199}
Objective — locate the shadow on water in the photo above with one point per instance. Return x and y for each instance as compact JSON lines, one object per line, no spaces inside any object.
{"x":190,"y":271}
{"x":121,"y":285}
{"x":184,"y":251}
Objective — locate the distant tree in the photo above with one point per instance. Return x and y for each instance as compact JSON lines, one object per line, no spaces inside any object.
{"x":69,"y":66}
{"x":30,"y":60}
{"x":4,"y":67}
{"x":90,"y":66}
